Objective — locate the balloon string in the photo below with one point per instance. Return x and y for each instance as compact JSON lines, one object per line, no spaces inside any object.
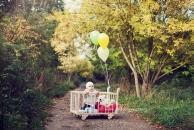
{"x":105,"y":70}
{"x":107,"y":75}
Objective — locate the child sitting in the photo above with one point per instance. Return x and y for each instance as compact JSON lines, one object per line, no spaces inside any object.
{"x":90,"y":96}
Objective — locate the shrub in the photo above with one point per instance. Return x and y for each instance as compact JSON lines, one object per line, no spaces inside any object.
{"x":33,"y":105}
{"x":101,"y":86}
{"x":25,"y":112}
{"x":60,"y":90}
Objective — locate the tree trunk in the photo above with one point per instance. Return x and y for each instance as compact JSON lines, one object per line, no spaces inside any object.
{"x":69,"y":77}
{"x":150,"y":46}
{"x":146,"y":86}
{"x":137,"y":84}
{"x":40,"y":81}
{"x":144,"y":89}
{"x":133,"y":71}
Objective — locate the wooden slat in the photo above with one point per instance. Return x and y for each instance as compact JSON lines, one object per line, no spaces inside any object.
{"x":76,"y":102}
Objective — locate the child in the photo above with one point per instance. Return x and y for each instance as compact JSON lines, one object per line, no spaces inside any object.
{"x":90,"y":96}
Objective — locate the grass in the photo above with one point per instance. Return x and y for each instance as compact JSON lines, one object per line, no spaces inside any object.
{"x":171,"y":107}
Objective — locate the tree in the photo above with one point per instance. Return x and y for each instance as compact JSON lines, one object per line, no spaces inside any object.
{"x":63,"y":42}
{"x":29,"y":6}
{"x":26,"y":57}
{"x":155,"y":37}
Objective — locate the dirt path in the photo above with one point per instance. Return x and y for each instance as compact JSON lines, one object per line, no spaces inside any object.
{"x":62,"y":119}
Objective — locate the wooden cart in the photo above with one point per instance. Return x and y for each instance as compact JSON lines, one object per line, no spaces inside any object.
{"x":77,"y":101}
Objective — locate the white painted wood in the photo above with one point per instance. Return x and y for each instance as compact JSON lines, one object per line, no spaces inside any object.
{"x":77,"y":98}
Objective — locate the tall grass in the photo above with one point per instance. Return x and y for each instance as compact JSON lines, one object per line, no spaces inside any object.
{"x":168,"y":106}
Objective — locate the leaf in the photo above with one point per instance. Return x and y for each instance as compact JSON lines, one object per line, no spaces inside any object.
{"x":186,"y":73}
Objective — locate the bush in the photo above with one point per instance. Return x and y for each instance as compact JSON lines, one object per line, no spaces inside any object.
{"x":101,"y":86}
{"x":25,"y":112}
{"x":33,"y":105}
{"x":22,"y":107}
{"x":60,"y":90}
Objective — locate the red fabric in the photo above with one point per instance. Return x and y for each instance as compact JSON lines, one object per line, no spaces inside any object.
{"x":105,"y":109}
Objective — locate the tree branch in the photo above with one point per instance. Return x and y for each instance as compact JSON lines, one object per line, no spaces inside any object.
{"x":126,"y":58}
{"x":160,"y":66}
{"x":172,"y":70}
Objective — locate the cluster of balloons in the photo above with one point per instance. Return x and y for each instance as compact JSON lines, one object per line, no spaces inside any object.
{"x":101,"y":39}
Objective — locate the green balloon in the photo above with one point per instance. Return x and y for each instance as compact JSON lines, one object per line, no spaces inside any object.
{"x":94,"y":37}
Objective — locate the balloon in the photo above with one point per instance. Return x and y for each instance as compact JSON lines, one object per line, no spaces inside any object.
{"x":94,"y":37}
{"x":103,"y":53}
{"x":103,"y":40}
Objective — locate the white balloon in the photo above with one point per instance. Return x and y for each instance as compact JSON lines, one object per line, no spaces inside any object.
{"x":103,"y":53}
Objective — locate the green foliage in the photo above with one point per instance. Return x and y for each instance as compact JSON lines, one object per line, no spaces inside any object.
{"x":168,"y":106}
{"x":101,"y":86}
{"x":156,"y":37}
{"x":30,"y":114}
{"x":28,"y":64}
{"x":33,"y":106}
{"x":60,"y":89}
{"x":115,"y":65}
{"x":22,"y":108}
{"x":85,"y":69}
{"x":182,"y":78}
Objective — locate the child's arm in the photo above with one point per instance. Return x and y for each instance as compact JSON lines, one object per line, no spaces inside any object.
{"x":86,"y":91}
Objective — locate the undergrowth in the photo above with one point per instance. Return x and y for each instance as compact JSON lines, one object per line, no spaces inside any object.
{"x":168,"y":106}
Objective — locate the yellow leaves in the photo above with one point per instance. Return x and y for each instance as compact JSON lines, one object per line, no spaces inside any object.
{"x":149,"y":6}
{"x":159,"y":48}
{"x":68,"y":64}
{"x":172,"y":26}
{"x":171,"y":48}
{"x":170,"y":52}
{"x":18,"y":28}
{"x":58,"y":16}
{"x":175,"y":25}
{"x":177,"y":42}
{"x":85,"y":68}
{"x":164,"y":38}
{"x":69,"y":25}
{"x":71,"y":64}
{"x":155,"y":6}
{"x":192,"y":38}
{"x":59,"y":48}
{"x":147,"y":28}
{"x":142,"y":18}
{"x":191,"y":25}
{"x":146,"y":19}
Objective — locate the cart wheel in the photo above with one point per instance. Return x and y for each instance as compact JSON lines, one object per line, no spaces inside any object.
{"x":84,"y":117}
{"x":110,"y":116}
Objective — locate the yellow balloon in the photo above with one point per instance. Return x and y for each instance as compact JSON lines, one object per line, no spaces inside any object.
{"x":103,"y":40}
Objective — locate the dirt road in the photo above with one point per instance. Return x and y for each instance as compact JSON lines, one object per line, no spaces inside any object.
{"x":62,"y":119}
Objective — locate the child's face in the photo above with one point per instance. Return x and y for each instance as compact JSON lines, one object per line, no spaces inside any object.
{"x":91,"y":87}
